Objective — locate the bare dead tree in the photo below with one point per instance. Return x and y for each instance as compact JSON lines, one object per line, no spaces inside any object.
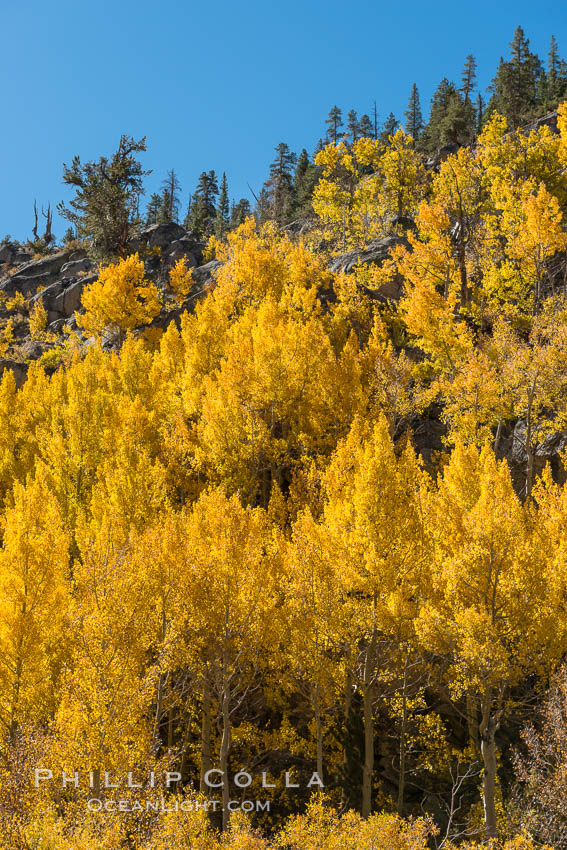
{"x":34,"y":231}
{"x":48,"y":235}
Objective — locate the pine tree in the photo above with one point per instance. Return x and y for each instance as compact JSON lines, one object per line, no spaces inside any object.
{"x":334,"y":123}
{"x":203,"y":207}
{"x":450,"y":118}
{"x":414,"y":118}
{"x":391,"y":124}
{"x":171,"y":188}
{"x":188,"y":215}
{"x":106,"y":201}
{"x":239,"y":213}
{"x":365,"y":127}
{"x":222,"y":220}
{"x":479,"y":113}
{"x":304,"y":180}
{"x":352,"y":125}
{"x":263,"y":210}
{"x":280,"y":184}
{"x":556,"y":78}
{"x":153,"y":208}
{"x":468,"y":78}
{"x":517,"y":85}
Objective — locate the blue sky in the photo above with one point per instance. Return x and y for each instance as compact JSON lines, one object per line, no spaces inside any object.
{"x":216,"y":84}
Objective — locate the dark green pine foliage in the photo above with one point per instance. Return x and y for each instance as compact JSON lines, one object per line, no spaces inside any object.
{"x":518,"y":84}
{"x":391,"y":124}
{"x":280,"y":185}
{"x":164,"y":214}
{"x":153,"y":209}
{"x":263,"y":210}
{"x":239,"y":213}
{"x":304,"y":181}
{"x":414,"y":118}
{"x":334,"y":123}
{"x":171,"y":189}
{"x":105,"y":208}
{"x":468,"y":78}
{"x":222,"y":218}
{"x":353,"y":125}
{"x":365,"y":127}
{"x":556,"y":77}
{"x":187,"y":219}
{"x":480,"y":111}
{"x":451,"y":119}
{"x":203,"y":210}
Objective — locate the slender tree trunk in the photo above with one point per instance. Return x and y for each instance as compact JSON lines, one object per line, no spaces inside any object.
{"x":497,"y":437}
{"x":488,"y":751}
{"x":472,"y":720}
{"x":186,"y":734}
{"x":528,"y":448}
{"x":205,"y":733}
{"x":402,"y":778}
{"x":224,"y":752}
{"x":368,"y":768}
{"x":368,"y":704}
{"x":463,"y":266}
{"x":318,"y":730}
{"x":170,"y":729}
{"x":159,"y":700}
{"x":348,"y":702}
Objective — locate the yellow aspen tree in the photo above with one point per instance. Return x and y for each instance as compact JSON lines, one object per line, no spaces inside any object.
{"x":316,"y":617}
{"x":530,"y":223}
{"x":404,"y":185}
{"x":34,"y":603}
{"x":120,"y":299}
{"x":226,"y":604}
{"x":270,"y":401}
{"x":430,"y":304}
{"x":459,"y":190}
{"x":373,"y":517}
{"x":180,"y":280}
{"x":491,"y":609}
{"x":534,"y":374}
{"x":102,"y":722}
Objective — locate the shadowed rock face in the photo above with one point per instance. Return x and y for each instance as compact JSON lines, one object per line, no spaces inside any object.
{"x":40,"y":273}
{"x":377,"y":252}
{"x":375,"y":255}
{"x":19,"y":370}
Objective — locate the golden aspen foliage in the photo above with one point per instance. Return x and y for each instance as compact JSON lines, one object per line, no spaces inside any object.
{"x":101,"y":717}
{"x":530,"y":222}
{"x":491,"y":609}
{"x":317,"y":622}
{"x":120,"y":299}
{"x":373,"y":518}
{"x":226,"y":603}
{"x":323,"y":828}
{"x":271,"y":402}
{"x":34,"y":601}
{"x":364,"y":185}
{"x":404,"y":184}
{"x":7,"y":337}
{"x":180,"y":279}
{"x":38,"y":320}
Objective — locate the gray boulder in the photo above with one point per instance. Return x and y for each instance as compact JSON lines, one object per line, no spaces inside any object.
{"x":31,"y":276}
{"x":76,"y":267}
{"x":377,"y":252}
{"x":62,"y":298}
{"x":19,"y":370}
{"x":204,"y":274}
{"x":162,"y":235}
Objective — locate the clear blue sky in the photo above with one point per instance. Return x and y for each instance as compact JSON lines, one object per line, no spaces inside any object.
{"x":216,"y":84}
